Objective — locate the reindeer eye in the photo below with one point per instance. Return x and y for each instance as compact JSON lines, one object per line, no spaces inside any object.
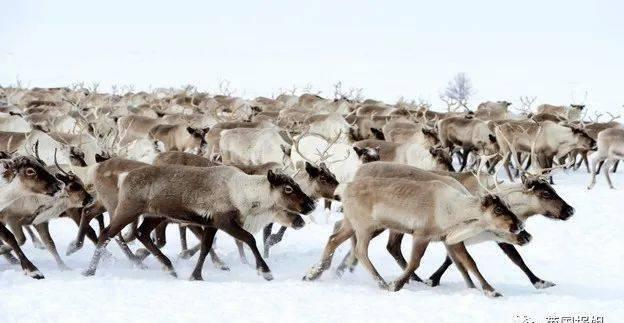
{"x":288,"y":189}
{"x":498,"y":210}
{"x":546,"y":195}
{"x":30,"y":172}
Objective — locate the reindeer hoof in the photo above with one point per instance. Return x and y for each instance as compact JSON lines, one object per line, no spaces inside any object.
{"x":88,"y":272}
{"x":197,"y":277}
{"x":172,"y":273}
{"x":223,"y":267}
{"x":185,"y":254}
{"x":431,"y":282}
{"x":542,"y":284}
{"x":34,"y":274}
{"x":266,"y":275}
{"x":492,"y":293}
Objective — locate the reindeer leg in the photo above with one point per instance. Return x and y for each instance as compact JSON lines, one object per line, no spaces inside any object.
{"x":465,"y":153}
{"x":143,"y":235}
{"x":44,"y":232}
{"x":459,"y":252}
{"x":394,"y":248}
{"x":599,"y":167}
{"x":349,"y":261}
{"x":234,"y":229}
{"x":361,"y":251}
{"x":130,"y":235}
{"x":505,"y":162}
{"x":207,"y":238}
{"x":434,"y":279}
{"x":241,"y":252}
{"x":161,"y":234}
{"x":36,"y":242}
{"x":75,"y":215}
{"x":216,"y":260}
{"x":266,"y":232}
{"x":88,"y":213}
{"x":183,"y":243}
{"x":27,"y":266}
{"x":335,"y":240}
{"x":18,"y":231}
{"x":275,"y":238}
{"x":125,"y":213}
{"x":100,"y":220}
{"x":597,"y":163}
{"x":606,"y":173}
{"x":418,"y":250}
{"x":615,"y":165}
{"x":513,"y":254}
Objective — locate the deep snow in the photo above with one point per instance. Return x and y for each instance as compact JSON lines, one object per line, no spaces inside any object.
{"x":583,"y":256}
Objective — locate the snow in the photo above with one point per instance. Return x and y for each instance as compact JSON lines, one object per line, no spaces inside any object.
{"x":584,"y":256}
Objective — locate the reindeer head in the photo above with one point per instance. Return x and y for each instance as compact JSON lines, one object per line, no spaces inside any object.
{"x":198,"y":136}
{"x":431,"y":136}
{"x":578,"y":107}
{"x":77,"y":157}
{"x":583,"y":140}
{"x":321,"y":180}
{"x":443,"y":158}
{"x":75,"y":190}
{"x":32,"y":176}
{"x":367,"y":155}
{"x":500,"y":221}
{"x":288,"y":195}
{"x":542,"y":198}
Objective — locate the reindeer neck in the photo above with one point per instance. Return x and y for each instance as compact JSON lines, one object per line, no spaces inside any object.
{"x":54,"y":211}
{"x":11,"y":192}
{"x":465,"y":209}
{"x":514,"y":197}
{"x":252,"y":193}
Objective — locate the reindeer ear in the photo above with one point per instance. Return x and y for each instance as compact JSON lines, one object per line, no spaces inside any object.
{"x":311,"y":170}
{"x":432,"y":151}
{"x":492,"y":138}
{"x":378,"y":134}
{"x":286,"y":150}
{"x":359,"y":151}
{"x":272,"y":178}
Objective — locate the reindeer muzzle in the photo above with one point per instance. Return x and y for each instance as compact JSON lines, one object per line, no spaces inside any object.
{"x":524,"y":238}
{"x":567,"y":213}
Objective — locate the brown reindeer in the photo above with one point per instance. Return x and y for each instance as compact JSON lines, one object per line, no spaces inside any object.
{"x":220,"y":197}
{"x":371,"y":205}
{"x":533,"y":196}
{"x":24,"y":176}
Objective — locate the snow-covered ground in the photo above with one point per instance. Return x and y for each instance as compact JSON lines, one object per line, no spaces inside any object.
{"x":583,"y":256}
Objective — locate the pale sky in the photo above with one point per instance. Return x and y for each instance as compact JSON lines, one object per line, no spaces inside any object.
{"x":550,"y":49}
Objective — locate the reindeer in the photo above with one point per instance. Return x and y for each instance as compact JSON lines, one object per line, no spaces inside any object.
{"x":533,"y":196}
{"x":220,"y":197}
{"x":39,"y":209}
{"x":411,"y":153}
{"x":23,"y":176}
{"x":400,"y":131}
{"x":469,"y":135}
{"x":569,"y":113}
{"x":253,"y":146}
{"x":610,"y":149}
{"x":543,"y":141}
{"x":371,"y":206}
{"x":490,"y":110}
{"x":179,"y":138}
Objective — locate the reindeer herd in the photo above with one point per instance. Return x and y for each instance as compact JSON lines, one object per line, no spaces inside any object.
{"x":208,"y":163}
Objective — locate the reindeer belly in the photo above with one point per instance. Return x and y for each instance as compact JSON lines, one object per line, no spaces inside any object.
{"x":398,"y":218}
